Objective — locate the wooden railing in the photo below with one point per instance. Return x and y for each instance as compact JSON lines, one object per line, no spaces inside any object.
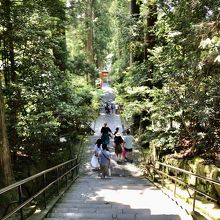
{"x":175,"y":174}
{"x":62,"y":174}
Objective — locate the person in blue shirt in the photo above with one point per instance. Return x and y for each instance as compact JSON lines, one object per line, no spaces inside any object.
{"x":104,"y":160}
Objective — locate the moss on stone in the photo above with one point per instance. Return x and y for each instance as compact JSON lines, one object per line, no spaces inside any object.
{"x":197,"y":166}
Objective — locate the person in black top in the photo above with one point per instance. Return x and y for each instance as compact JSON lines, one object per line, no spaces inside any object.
{"x":107,"y":108}
{"x":105,"y":131}
{"x":118,"y":144}
{"x":116,"y":130}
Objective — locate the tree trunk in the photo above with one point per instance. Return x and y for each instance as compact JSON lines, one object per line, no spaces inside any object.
{"x":149,"y":38}
{"x":135,"y":14}
{"x":56,"y":9}
{"x":150,"y":41}
{"x":135,"y":8}
{"x":6,"y":172}
{"x":9,"y":68}
{"x":89,"y":40}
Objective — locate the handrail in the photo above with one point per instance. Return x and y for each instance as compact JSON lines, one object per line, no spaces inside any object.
{"x":190,"y":173}
{"x":32,"y":177}
{"x":74,"y":166}
{"x":176,"y":179}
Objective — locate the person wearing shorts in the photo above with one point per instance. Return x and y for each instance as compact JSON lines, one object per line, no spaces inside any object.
{"x":128,"y":146}
{"x":104,"y":160}
{"x":118,"y":143}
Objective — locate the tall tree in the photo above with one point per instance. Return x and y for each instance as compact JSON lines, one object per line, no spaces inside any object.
{"x":149,"y":22}
{"x":9,"y":66}
{"x":56,"y":9}
{"x":90,"y":30}
{"x":135,"y":8}
{"x":6,"y":172}
{"x":135,"y":56}
{"x":92,"y":34}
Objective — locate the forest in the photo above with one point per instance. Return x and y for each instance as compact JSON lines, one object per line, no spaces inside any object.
{"x":164,"y":63}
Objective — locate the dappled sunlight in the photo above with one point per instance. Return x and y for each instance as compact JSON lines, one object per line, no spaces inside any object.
{"x":123,"y":196}
{"x":138,"y":198}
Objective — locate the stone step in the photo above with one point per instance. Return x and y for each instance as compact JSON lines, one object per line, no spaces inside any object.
{"x":97,"y":210}
{"x":118,"y":217}
{"x":77,"y":201}
{"x":77,"y":218}
{"x":85,"y":205}
{"x":106,"y":216}
{"x":81,"y":215}
{"x":65,"y":210}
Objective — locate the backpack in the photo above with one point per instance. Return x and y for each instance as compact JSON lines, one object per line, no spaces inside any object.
{"x":118,"y":139}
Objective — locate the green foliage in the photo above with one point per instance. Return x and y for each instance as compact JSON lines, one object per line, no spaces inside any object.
{"x":187,"y":97}
{"x":173,"y":95}
{"x":91,"y":31}
{"x":47,"y":95}
{"x":80,"y":66}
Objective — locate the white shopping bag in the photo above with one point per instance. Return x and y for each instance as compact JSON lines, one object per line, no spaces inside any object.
{"x":109,"y":171}
{"x":94,"y":161}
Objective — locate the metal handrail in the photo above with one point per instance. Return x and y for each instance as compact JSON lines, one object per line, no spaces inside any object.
{"x":180,"y":181}
{"x":74,"y":163}
{"x":190,"y":173}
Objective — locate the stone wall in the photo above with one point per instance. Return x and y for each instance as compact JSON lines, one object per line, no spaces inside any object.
{"x":198,"y":166}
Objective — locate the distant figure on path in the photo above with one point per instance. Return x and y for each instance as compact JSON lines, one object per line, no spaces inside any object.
{"x":112,"y":108}
{"x":105,"y":131}
{"x":116,"y":108}
{"x":107,"y":108}
{"x":104,"y":160}
{"x":128,"y":145}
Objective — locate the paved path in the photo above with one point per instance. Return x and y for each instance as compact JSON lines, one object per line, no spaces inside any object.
{"x":125,"y":196}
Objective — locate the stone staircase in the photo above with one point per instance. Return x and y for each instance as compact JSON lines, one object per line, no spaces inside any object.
{"x":124,"y":196}
{"x":87,"y":200}
{"x":119,"y":198}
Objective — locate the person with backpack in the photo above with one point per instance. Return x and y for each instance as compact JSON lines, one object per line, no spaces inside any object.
{"x":107,"y":108}
{"x":118,"y":144}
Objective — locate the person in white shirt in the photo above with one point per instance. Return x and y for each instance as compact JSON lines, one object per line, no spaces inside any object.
{"x":116,"y":108}
{"x":94,"y":161}
{"x":128,"y":146}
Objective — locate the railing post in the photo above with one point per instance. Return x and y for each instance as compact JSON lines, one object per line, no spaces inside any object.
{"x":163,"y":176}
{"x":45,"y":184}
{"x":175,"y":183}
{"x":194,"y":196}
{"x":58,"y":181}
{"x":20,"y":201}
{"x":72,"y":172}
{"x":66,"y":176}
{"x":77,"y":168}
{"x":153,"y":165}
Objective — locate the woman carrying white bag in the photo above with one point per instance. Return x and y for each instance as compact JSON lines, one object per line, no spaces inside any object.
{"x":94,"y":161}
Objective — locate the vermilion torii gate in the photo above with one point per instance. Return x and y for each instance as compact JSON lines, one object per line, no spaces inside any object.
{"x":103,"y":77}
